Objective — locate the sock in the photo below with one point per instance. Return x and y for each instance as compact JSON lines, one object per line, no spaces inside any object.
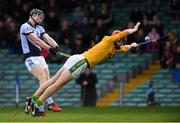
{"x":41,"y":108}
{"x":49,"y":101}
{"x":38,"y":103}
{"x":34,"y":97}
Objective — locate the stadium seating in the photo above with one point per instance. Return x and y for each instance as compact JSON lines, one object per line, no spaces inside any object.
{"x":166,"y":92}
{"x":121,"y":65}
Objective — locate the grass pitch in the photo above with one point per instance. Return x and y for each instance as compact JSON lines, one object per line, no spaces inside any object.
{"x":80,"y":114}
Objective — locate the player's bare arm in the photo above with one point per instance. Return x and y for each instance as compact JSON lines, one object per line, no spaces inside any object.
{"x":52,"y":43}
{"x":38,"y":41}
{"x":125,"y":48}
{"x":49,"y":40}
{"x":131,"y":31}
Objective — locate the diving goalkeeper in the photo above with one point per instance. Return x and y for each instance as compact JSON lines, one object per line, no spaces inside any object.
{"x":77,"y":64}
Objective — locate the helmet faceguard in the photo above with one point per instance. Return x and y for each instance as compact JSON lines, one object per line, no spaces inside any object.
{"x":120,"y":42}
{"x":37,"y":15}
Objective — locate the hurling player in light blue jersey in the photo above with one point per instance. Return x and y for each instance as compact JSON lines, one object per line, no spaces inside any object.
{"x":33,"y":38}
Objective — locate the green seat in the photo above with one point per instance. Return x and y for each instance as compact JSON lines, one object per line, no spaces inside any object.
{"x":10,"y":72}
{"x":4,"y":51}
{"x":94,"y":70}
{"x":119,"y":65}
{"x":60,"y":99}
{"x":142,"y":61}
{"x":177,"y":100}
{"x":12,"y":56}
{"x":177,"y":91}
{"x":72,"y":90}
{"x":160,"y":86}
{"x":54,"y":66}
{"x":175,"y":96}
{"x":4,"y":67}
{"x":132,"y":55}
{"x":171,"y":86}
{"x":1,"y":56}
{"x":158,"y":76}
{"x":66,"y":104}
{"x":142,"y":95}
{"x":3,"y":100}
{"x":130,"y":95}
{"x":138,"y":90}
{"x":23,"y":72}
{"x":9,"y":77}
{"x":164,"y":81}
{"x":102,"y":81}
{"x":121,"y":71}
{"x":15,"y":66}
{"x":98,"y":86}
{"x":76,"y":95}
{"x":107,"y":77}
{"x":74,"y":99}
{"x":165,"y":90}
{"x":19,"y":60}
{"x":120,"y":55}
{"x":144,"y":86}
{"x":137,"y":99}
{"x":23,"y":77}
{"x":68,"y":86}
{"x":146,"y":55}
{"x":160,"y":95}
{"x":167,"y":100}
{"x":141,"y":104}
{"x":127,"y":60}
{"x":100,"y":66}
{"x":130,"y":104}
{"x":107,"y":71}
{"x":133,"y":64}
{"x":113,"y":105}
{"x":164,"y":71}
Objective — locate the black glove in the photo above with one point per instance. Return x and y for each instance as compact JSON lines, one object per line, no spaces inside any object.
{"x":52,"y":51}
{"x":57,"y":50}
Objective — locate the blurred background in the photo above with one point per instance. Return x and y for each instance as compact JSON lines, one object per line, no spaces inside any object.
{"x":144,"y":76}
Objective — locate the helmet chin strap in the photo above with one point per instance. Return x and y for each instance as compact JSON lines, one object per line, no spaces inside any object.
{"x":36,"y":23}
{"x":118,"y":44}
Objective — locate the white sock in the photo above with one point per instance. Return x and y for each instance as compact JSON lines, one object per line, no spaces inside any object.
{"x":41,"y":108}
{"x":49,"y":101}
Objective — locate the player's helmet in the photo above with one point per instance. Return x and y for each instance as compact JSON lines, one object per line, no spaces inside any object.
{"x":115,"y":32}
{"x":120,"y":42}
{"x":37,"y":15}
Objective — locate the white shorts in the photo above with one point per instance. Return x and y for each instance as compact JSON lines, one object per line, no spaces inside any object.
{"x":31,"y":62}
{"x":76,"y":65}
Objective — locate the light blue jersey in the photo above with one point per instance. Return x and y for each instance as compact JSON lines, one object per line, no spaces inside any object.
{"x":29,"y":47}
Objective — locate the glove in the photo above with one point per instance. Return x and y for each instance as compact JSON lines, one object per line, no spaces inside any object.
{"x":52,"y":51}
{"x":57,"y":50}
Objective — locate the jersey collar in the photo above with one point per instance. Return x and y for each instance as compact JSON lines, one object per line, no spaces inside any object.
{"x":31,"y":24}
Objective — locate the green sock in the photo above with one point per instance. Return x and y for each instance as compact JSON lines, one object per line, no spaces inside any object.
{"x":34,"y":97}
{"x":38,"y":103}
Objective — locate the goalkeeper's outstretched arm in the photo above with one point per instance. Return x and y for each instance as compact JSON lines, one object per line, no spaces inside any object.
{"x":125,"y":48}
{"x":131,"y":31}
